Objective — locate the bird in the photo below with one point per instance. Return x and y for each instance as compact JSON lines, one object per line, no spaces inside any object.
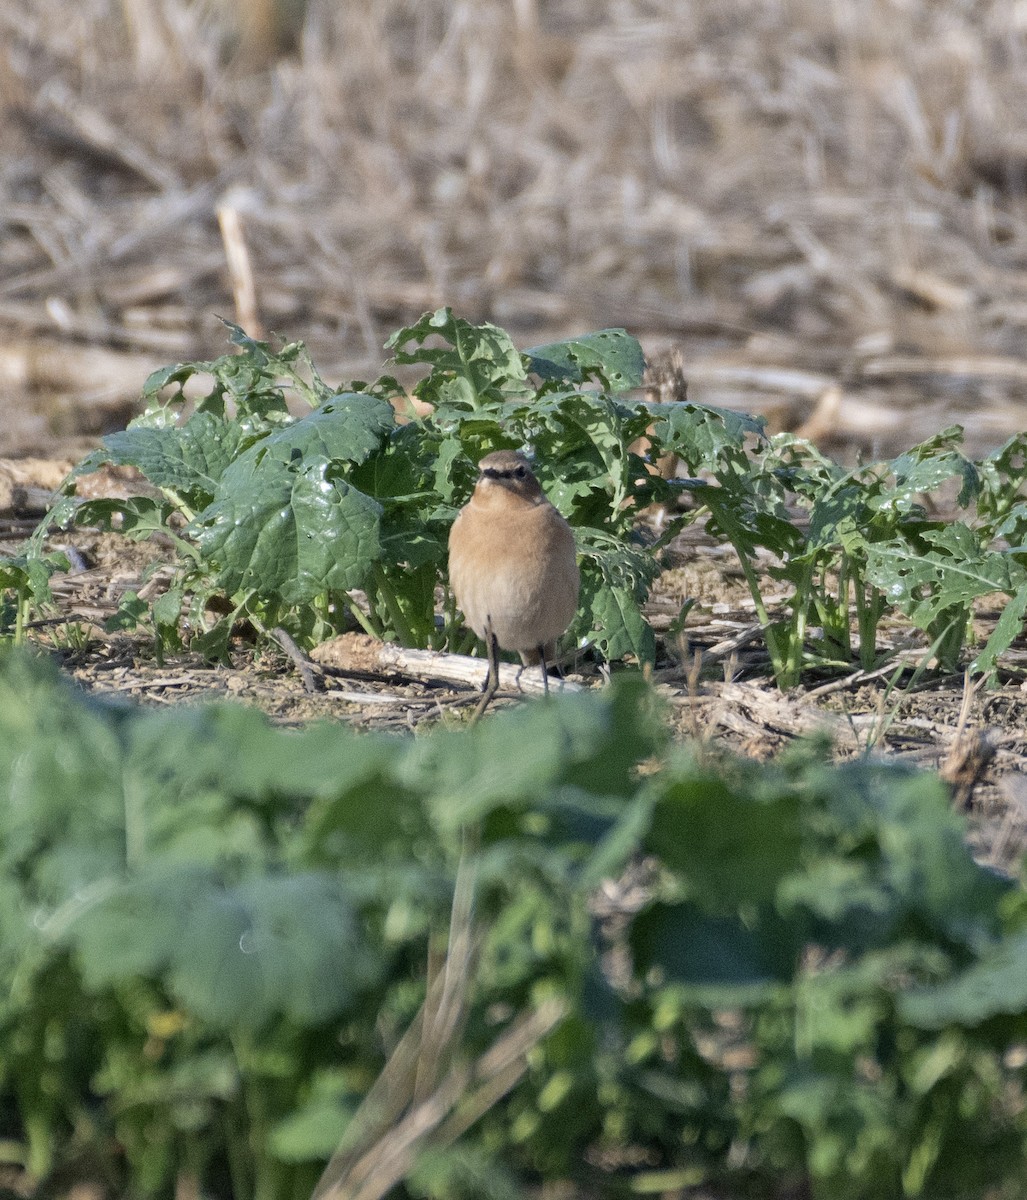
{"x":513,"y":566}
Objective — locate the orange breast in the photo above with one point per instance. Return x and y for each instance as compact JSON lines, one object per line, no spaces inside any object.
{"x":516,"y":569}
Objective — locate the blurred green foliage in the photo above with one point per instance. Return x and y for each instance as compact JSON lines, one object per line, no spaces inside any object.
{"x":213,"y":933}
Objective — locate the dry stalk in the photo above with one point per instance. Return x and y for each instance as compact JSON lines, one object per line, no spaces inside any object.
{"x":971,"y":750}
{"x":427,"y":1095}
{"x":237,"y":254}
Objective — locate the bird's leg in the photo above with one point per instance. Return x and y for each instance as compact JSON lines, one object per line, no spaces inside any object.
{"x":492,"y":678}
{"x":545,"y":672}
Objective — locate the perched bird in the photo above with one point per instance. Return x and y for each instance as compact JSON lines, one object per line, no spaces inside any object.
{"x":512,"y":566}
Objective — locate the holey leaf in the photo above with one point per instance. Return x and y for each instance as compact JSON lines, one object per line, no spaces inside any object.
{"x":478,"y":363}
{"x":190,"y":458}
{"x":701,"y":435}
{"x":615,"y":582}
{"x":284,"y":522}
{"x":612,"y":354}
{"x":951,"y":572}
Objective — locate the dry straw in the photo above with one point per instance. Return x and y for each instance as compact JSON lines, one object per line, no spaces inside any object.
{"x":836,"y":189}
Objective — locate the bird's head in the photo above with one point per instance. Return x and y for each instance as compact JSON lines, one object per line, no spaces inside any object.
{"x":507,"y":472}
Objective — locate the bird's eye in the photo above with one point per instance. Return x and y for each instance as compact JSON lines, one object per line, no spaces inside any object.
{"x":520,"y":472}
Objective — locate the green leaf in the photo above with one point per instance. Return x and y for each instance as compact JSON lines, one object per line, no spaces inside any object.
{"x":479,"y":363}
{"x":732,"y":844}
{"x":290,"y":530}
{"x":948,"y":570}
{"x":921,"y":858}
{"x":313,"y":1131}
{"x":129,"y":613}
{"x":31,"y":572}
{"x":1007,"y":629}
{"x":719,"y":959}
{"x":241,"y":954}
{"x":930,"y":464}
{"x":56,"y":748}
{"x":190,"y":459}
{"x":232,"y":954}
{"x":167,"y":608}
{"x":612,"y":355}
{"x":585,"y":465}
{"x":590,"y":741}
{"x":618,"y":627}
{"x":137,"y":517}
{"x":616,"y":578}
{"x":996,"y":985}
{"x":252,"y":379}
{"x":348,"y":427}
{"x":701,"y":434}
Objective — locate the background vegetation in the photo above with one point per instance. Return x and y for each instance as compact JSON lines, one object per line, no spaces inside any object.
{"x":800,"y":195}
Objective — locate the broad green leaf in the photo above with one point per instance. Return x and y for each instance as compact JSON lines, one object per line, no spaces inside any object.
{"x":288,"y":530}
{"x":130,"y":611}
{"x":575,"y":419}
{"x":950,"y":569}
{"x":348,"y":427}
{"x":31,"y":573}
{"x":584,"y":461}
{"x":586,"y":741}
{"x":615,"y":581}
{"x":134,"y":928}
{"x":189,"y":459}
{"x":618,"y":627}
{"x":719,"y":959}
{"x":921,"y":857}
{"x":61,"y":799}
{"x":284,"y":521}
{"x":995,"y":985}
{"x":848,"y":900}
{"x":731,"y":845}
{"x":232,"y":954}
{"x":136,"y":517}
{"x":221,"y":775}
{"x":700,"y":434}
{"x":242,"y":950}
{"x":840,"y":518}
{"x":612,"y":354}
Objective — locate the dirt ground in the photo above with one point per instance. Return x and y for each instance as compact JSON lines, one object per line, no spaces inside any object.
{"x":823,"y":206}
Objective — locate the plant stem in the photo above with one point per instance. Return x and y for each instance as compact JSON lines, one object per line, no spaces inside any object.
{"x":778,"y":663}
{"x":178,"y":502}
{"x":396,"y":614}
{"x":21,"y":616}
{"x":364,"y":620}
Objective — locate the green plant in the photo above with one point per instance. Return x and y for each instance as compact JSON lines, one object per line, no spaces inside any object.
{"x":860,"y":544}
{"x":216,"y":935}
{"x":281,"y":520}
{"x":342,"y":515}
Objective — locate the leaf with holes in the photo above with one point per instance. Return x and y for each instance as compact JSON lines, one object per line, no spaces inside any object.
{"x":611,"y":355}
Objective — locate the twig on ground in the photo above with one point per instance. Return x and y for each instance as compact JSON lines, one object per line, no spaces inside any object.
{"x":310,"y":673}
